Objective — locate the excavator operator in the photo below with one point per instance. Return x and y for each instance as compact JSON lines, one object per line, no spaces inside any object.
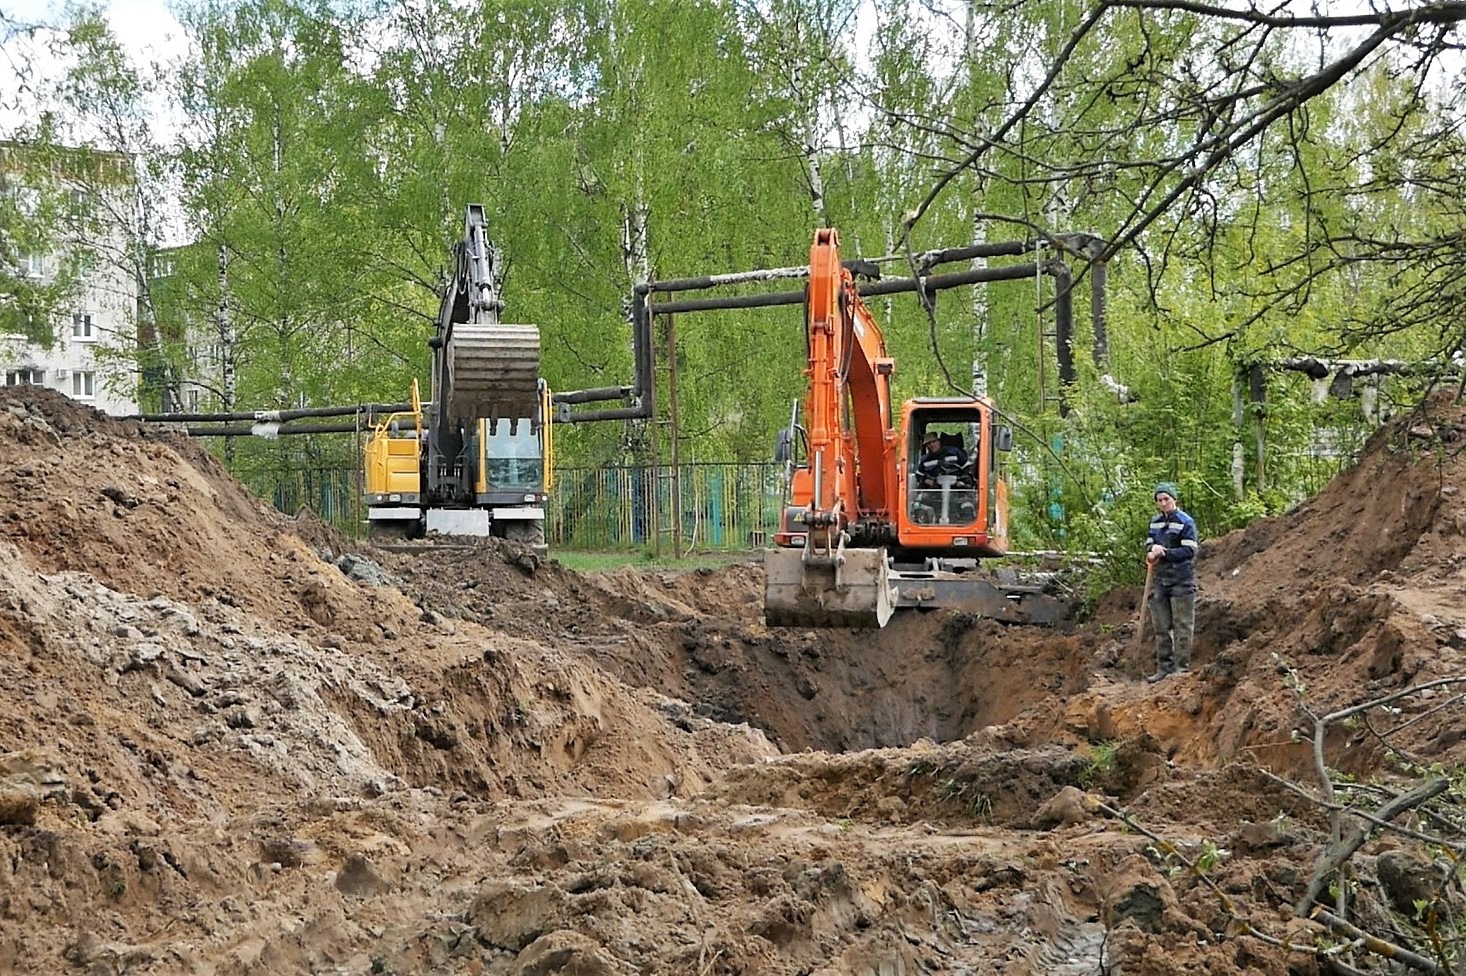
{"x":942,"y":478}
{"x":939,"y":458}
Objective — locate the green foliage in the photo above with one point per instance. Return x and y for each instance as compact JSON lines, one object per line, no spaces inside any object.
{"x":974,"y":802}
{"x":328,"y":152}
{"x":1210,"y":856}
{"x":38,"y":276}
{"x":1102,"y":759}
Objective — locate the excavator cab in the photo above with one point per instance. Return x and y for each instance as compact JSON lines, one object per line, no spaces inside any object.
{"x":955,"y":502}
{"x":393,"y":487}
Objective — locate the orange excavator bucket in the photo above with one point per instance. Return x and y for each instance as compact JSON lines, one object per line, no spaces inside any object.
{"x":841,"y":588}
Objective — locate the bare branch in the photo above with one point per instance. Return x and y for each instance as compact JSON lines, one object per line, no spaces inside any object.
{"x":1338,"y":853}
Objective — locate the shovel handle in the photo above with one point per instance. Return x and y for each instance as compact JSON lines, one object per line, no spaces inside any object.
{"x":1144,"y":603}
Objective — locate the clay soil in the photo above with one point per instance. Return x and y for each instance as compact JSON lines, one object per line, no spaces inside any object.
{"x":232,"y":742}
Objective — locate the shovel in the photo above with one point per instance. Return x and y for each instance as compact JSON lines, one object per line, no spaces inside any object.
{"x":1144,"y":604}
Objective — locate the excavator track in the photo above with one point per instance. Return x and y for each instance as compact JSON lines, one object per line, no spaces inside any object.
{"x":493,"y":371}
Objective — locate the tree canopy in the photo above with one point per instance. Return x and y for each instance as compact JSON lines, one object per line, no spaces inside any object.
{"x":1267,"y":183}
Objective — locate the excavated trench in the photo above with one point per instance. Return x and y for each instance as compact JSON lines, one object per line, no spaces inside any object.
{"x":287,"y":767}
{"x":933,"y":676}
{"x":697,"y":639}
{"x":943,"y":677}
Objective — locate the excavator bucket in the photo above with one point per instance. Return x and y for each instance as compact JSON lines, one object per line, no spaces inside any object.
{"x":849,"y":588}
{"x":493,"y":371}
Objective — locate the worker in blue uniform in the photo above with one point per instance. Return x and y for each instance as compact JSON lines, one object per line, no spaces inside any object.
{"x":1171,"y":547}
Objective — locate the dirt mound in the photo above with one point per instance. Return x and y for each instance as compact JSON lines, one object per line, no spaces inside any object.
{"x":234,"y":742}
{"x":1398,"y":510}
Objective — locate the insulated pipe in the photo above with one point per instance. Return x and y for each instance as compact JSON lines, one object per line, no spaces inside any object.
{"x":265,"y":429}
{"x":1064,"y":322}
{"x":712,"y":281}
{"x":886,"y":286}
{"x":1085,"y":245}
{"x":271,"y":415}
{"x":595,"y":395}
{"x":614,"y":413}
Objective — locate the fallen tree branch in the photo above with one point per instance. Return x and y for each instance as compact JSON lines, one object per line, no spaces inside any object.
{"x":1339,"y":846}
{"x":1386,"y":825}
{"x":1339,"y":852}
{"x":1228,"y":905}
{"x":1375,"y":944}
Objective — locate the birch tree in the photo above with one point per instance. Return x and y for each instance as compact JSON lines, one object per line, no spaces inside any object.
{"x":108,"y":107}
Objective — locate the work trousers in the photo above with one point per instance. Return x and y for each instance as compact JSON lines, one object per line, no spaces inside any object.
{"x":1173,"y":612}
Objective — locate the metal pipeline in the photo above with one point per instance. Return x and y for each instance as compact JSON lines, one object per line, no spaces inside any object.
{"x":271,"y":415}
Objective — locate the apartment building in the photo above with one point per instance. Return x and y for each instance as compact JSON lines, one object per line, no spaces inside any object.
{"x":93,"y":356}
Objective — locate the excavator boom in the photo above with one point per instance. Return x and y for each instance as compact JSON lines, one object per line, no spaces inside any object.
{"x":823,"y":582}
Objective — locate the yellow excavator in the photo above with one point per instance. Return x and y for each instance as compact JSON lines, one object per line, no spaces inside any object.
{"x":476,"y":459}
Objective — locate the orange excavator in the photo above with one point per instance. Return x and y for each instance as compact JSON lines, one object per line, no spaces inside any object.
{"x":888,"y":506}
{"x":876,"y":511}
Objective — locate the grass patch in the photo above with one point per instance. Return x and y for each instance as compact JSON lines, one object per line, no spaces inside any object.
{"x":601,"y":562}
{"x":1102,"y":760}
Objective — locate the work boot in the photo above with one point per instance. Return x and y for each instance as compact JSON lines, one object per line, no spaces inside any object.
{"x":1159,"y":675}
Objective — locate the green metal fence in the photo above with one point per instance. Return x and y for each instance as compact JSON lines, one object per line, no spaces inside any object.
{"x":332,"y":493}
{"x":691,"y":506}
{"x":661,"y":508}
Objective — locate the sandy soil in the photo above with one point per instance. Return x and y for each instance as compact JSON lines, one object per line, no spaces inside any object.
{"x":236,"y":743}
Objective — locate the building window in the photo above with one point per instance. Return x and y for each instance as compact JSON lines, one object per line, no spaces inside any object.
{"x":33,"y":265}
{"x":192,"y":396}
{"x":81,"y":203}
{"x":83,"y":384}
{"x":25,"y":377}
{"x":28,"y":201}
{"x":81,"y":326}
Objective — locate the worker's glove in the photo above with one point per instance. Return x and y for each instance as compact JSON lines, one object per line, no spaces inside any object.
{"x":1156,"y":553}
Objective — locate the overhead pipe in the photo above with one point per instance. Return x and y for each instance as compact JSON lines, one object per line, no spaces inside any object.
{"x":1087,"y":247}
{"x":592,"y":396}
{"x":266,"y":429}
{"x":886,"y":286}
{"x":271,"y":415}
{"x":642,"y":392}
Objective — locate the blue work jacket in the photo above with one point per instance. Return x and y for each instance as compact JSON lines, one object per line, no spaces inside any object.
{"x":1177,"y":533}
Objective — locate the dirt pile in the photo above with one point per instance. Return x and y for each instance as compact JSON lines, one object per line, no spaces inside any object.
{"x":233,"y":742}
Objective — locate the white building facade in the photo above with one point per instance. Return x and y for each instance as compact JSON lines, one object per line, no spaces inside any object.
{"x":93,"y":358}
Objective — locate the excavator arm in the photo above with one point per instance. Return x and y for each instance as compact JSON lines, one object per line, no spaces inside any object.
{"x":846,"y":487}
{"x":482,"y":369}
{"x":848,"y":399}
